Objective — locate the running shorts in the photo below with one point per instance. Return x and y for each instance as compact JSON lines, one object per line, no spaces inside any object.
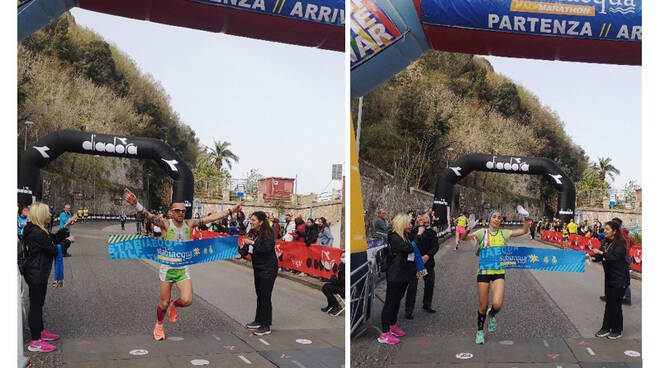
{"x":489,"y":278}
{"x":169,"y":274}
{"x":460,"y":229}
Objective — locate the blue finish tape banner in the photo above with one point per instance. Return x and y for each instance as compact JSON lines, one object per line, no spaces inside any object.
{"x":318,"y":11}
{"x":497,"y":258}
{"x":616,"y":20}
{"x":172,"y":253}
{"x":371,"y":31}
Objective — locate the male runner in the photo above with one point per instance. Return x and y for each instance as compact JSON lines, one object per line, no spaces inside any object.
{"x":176,"y":229}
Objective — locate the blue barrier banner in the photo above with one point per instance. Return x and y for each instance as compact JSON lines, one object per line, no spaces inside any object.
{"x":497,"y":258}
{"x":318,"y":11}
{"x":371,"y":31}
{"x":172,"y":253}
{"x":616,"y":20}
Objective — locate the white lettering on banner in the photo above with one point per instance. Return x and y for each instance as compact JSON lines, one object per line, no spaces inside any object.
{"x":547,"y":25}
{"x":258,"y":4}
{"x":441,"y":201}
{"x":636,"y":33}
{"x":518,"y":165}
{"x":92,"y":145}
{"x":309,"y":12}
{"x":565,"y":211}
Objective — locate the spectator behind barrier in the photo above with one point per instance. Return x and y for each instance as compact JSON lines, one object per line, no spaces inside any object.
{"x":325,"y":235}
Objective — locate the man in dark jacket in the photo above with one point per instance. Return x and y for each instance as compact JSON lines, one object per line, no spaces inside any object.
{"x":335,"y":286}
{"x":427,"y":242}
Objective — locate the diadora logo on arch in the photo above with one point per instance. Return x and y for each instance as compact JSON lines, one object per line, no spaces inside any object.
{"x":118,"y":145}
{"x":513,"y":164}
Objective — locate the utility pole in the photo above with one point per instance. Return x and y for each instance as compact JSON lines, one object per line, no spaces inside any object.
{"x":27,"y":125}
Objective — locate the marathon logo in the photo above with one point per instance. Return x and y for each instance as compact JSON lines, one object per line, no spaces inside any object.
{"x":518,"y":165}
{"x":122,"y":148}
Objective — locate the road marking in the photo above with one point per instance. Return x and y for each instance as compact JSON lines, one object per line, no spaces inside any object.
{"x":464,"y":355}
{"x":138,"y":352}
{"x":545,"y":343}
{"x":304,"y":341}
{"x":632,"y":353}
{"x":264,"y":341}
{"x":506,"y":342}
{"x":175,"y":338}
{"x":298,"y":364}
{"x":591,"y":352}
{"x":245,"y":359}
{"x":216,"y":337}
{"x":199,"y":362}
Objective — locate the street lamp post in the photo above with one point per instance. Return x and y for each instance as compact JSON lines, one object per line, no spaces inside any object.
{"x":449,"y":153}
{"x":27,"y":125}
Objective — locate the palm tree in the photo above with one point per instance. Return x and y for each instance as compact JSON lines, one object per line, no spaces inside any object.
{"x":605,"y":168}
{"x":221,"y":154}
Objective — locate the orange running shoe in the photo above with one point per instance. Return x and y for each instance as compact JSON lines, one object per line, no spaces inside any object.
{"x":159,"y":332}
{"x":172,"y":313}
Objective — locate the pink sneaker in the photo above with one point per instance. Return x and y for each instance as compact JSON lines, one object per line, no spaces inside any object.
{"x":396,"y":331}
{"x":41,"y":346}
{"x":388,"y":338}
{"x":49,"y":336}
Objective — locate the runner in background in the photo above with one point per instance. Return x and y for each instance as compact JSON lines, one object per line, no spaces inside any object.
{"x":461,"y":228}
{"x":492,"y":236}
{"x":175,"y":229}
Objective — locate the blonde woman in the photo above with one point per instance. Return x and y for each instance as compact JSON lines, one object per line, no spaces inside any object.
{"x":399,"y":273}
{"x":41,"y":252}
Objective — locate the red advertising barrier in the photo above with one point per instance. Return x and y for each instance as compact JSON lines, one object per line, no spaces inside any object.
{"x":317,"y":260}
{"x":636,"y":254}
{"x":578,"y":242}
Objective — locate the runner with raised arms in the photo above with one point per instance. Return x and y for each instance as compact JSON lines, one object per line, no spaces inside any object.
{"x":492,"y":236}
{"x":175,"y":229}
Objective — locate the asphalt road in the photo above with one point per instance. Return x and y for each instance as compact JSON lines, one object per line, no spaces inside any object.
{"x":105,"y":298}
{"x":537,"y":304}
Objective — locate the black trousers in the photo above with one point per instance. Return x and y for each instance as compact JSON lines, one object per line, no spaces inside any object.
{"x":329,"y":290}
{"x":263,"y":286}
{"x":613,"y":318}
{"x":35,"y":314}
{"x":411,"y":293}
{"x":393,"y":296}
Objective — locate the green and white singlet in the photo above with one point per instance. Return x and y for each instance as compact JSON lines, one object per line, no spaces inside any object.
{"x":486,"y":239}
{"x":175,"y":274}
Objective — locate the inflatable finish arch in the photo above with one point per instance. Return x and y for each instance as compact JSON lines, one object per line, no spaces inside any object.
{"x":54,"y":144}
{"x":444,"y":189}
{"x":313,"y":23}
{"x":387,"y":36}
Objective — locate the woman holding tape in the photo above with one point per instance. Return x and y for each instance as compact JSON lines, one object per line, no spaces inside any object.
{"x":260,"y":244}
{"x":492,"y":236}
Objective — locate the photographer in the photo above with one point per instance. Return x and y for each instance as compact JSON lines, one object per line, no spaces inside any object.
{"x":260,"y":244}
{"x":617,"y":279}
{"x":335,"y":286}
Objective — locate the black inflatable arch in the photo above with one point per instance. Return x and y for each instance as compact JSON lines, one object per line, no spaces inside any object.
{"x":444,"y":189}
{"x":56,"y":143}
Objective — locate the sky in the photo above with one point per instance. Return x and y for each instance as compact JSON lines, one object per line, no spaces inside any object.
{"x":280,"y":106}
{"x":600,"y":106}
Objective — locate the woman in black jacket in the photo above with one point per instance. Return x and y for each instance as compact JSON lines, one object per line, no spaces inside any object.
{"x":41,"y":250}
{"x":260,"y":244}
{"x":311,"y":232}
{"x":617,"y":279}
{"x":400,"y":271}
